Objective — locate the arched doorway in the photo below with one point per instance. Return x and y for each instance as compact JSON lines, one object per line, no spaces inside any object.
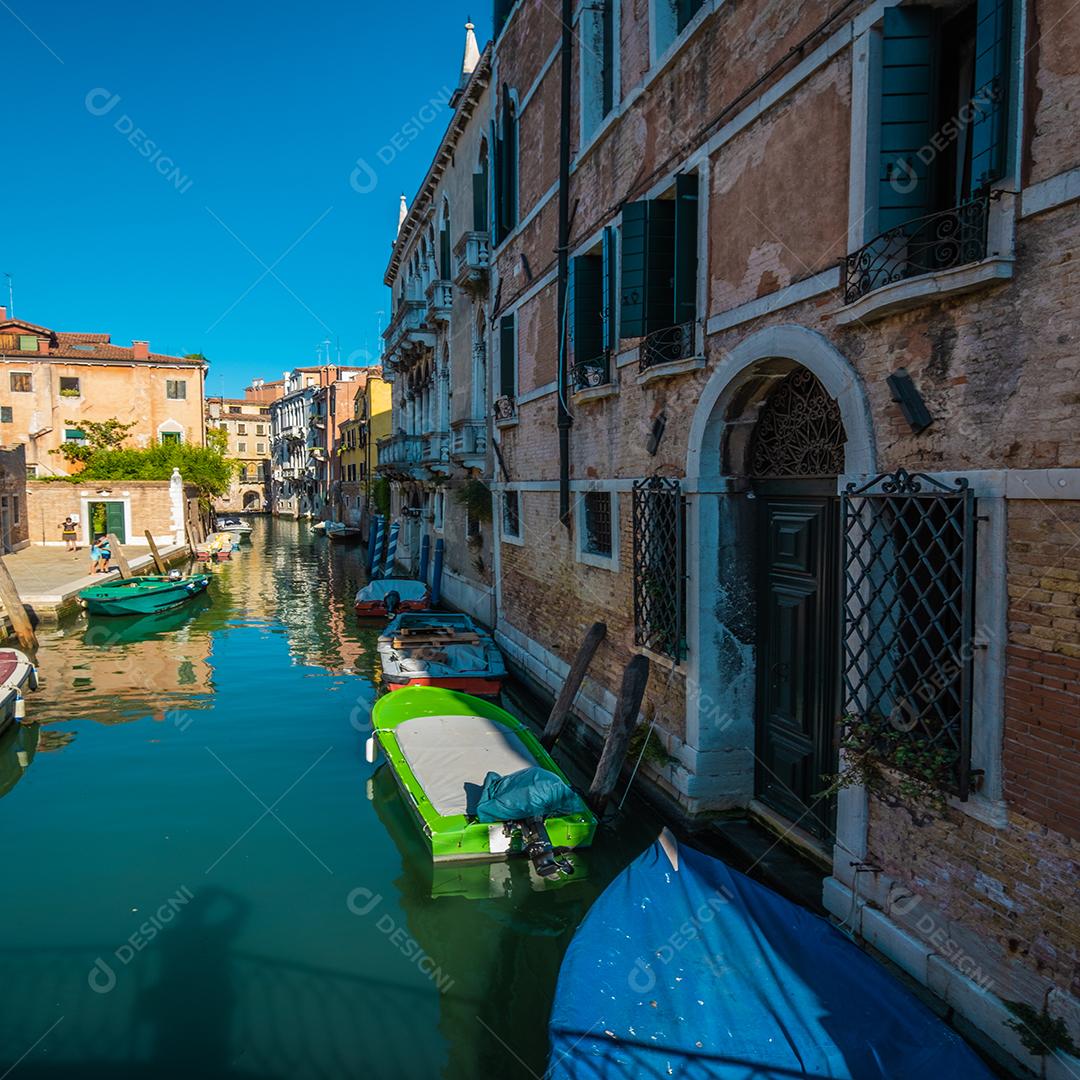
{"x":252,"y":500}
{"x":794,"y":456}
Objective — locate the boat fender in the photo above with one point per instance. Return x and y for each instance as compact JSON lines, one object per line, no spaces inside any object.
{"x":370,"y":750}
{"x":23,"y":758}
{"x":20,"y":707}
{"x":34,"y":681}
{"x":391,"y":600}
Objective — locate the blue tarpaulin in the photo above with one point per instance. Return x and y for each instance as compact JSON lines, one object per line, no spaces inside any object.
{"x":701,"y":972}
{"x":527,"y":793}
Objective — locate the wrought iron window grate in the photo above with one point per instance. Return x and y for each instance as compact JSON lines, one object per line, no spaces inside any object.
{"x":598,"y":523}
{"x":587,"y":374}
{"x":922,"y":246}
{"x":909,"y":619}
{"x":659,"y":525}
{"x":667,"y":345}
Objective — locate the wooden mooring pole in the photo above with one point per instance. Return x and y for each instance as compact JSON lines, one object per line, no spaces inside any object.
{"x":565,"y":701}
{"x":623,"y":723}
{"x":155,"y":554}
{"x":16,"y":611}
{"x":118,"y":556}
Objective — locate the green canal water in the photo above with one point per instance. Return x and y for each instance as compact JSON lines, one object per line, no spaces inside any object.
{"x":202,"y":876}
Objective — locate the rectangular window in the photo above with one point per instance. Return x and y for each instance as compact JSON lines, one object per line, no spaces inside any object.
{"x":69,"y":386}
{"x":505,"y":153}
{"x":176,"y":389}
{"x":22,"y":382}
{"x":591,"y":313}
{"x":260,"y":429}
{"x":75,"y":435}
{"x":598,"y":535}
{"x":31,"y":471}
{"x":243,"y":474}
{"x":241,"y":447}
{"x":15,"y":509}
{"x":170,"y":437}
{"x":598,"y":63}
{"x":241,"y":429}
{"x":511,"y":522}
{"x":660,"y":273}
{"x":508,"y":357}
{"x":659,"y":523}
{"x":260,"y":448}
{"x":5,"y":414}
{"x":235,"y":409}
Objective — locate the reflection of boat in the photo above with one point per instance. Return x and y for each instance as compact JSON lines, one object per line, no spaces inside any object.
{"x":686,"y":966}
{"x":469,"y":880}
{"x":17,"y":672}
{"x":17,"y":748}
{"x":234,"y":525}
{"x":142,"y":595}
{"x":218,"y":545}
{"x":126,"y":629}
{"x":437,"y":648}
{"x":387,"y":596}
{"x":443,"y":746}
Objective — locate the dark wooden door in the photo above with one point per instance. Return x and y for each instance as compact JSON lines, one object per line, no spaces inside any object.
{"x":798,"y":648}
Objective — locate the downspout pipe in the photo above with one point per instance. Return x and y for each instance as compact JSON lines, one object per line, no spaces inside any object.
{"x":564,"y":419}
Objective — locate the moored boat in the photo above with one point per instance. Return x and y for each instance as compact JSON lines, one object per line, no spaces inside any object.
{"x":17,"y":674}
{"x":387,"y":596}
{"x":479,"y":784}
{"x":686,"y":967}
{"x":234,"y":525}
{"x":142,"y":595}
{"x":437,"y":648}
{"x":346,"y":534}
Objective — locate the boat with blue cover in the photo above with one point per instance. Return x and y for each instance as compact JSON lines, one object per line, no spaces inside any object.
{"x":685,"y":967}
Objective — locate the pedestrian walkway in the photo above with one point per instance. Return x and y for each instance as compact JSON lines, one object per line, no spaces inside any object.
{"x":48,"y":578}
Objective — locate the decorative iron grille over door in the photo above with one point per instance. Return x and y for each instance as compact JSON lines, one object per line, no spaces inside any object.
{"x":909,"y":618}
{"x":659,"y":521}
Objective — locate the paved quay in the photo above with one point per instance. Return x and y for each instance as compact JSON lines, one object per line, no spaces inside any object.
{"x":49,"y":578}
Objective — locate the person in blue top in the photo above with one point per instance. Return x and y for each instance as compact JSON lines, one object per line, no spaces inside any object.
{"x":100,"y":554}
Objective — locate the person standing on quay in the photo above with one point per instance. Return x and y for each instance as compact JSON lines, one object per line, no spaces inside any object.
{"x":69,"y":533}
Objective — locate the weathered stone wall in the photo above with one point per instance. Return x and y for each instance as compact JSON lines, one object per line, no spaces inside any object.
{"x":13,"y":493}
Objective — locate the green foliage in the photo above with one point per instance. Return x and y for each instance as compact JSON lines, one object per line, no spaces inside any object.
{"x":380,"y":494}
{"x":893,"y":763}
{"x":203,"y":466}
{"x":1040,"y":1032}
{"x":100,"y":435}
{"x":475,"y":496}
{"x":655,"y":754}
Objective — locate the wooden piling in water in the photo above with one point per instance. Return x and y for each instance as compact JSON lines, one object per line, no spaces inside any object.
{"x":623,"y":723}
{"x":155,"y":554}
{"x":16,"y":610}
{"x":118,"y":556}
{"x":565,"y":701}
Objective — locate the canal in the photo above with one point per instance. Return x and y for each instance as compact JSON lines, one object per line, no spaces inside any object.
{"x":203,"y":875}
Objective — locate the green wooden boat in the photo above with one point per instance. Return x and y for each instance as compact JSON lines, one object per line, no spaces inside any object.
{"x":440,"y":744}
{"x":142,"y":595}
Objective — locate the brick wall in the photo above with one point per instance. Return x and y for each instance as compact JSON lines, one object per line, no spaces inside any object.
{"x":13,"y":490}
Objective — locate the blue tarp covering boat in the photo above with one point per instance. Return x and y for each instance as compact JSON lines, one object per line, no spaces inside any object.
{"x":687,"y":968}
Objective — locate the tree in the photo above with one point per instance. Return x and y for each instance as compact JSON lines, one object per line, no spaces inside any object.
{"x":99,"y":435}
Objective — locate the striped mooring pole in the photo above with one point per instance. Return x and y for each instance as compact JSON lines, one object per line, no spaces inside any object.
{"x":425,"y":555}
{"x":391,"y":550}
{"x":436,"y":573}
{"x":375,"y":538}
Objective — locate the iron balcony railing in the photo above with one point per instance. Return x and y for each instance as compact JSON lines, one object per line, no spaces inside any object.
{"x":925,"y":245}
{"x":668,"y":345}
{"x":588,"y":374}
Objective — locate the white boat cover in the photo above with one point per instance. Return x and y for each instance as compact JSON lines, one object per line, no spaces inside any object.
{"x":444,"y":660}
{"x":406,"y":588}
{"x":451,"y":754}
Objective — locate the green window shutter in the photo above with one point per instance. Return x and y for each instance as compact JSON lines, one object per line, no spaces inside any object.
{"x":507,"y":357}
{"x":686,"y":248}
{"x":989,"y":126}
{"x":479,"y":201}
{"x":634,"y":253}
{"x":906,"y":108}
{"x":444,"y":254}
{"x":497,"y":192}
{"x":660,"y":266}
{"x":586,"y":315}
{"x":610,"y":297}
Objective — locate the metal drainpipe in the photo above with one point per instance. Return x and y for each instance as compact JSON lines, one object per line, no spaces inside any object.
{"x":564,"y":419}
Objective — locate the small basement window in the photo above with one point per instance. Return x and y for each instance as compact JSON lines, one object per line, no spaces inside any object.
{"x":69,"y":386}
{"x":5,"y":414}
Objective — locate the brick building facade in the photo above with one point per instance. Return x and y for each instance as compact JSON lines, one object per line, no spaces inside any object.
{"x":817,"y":364}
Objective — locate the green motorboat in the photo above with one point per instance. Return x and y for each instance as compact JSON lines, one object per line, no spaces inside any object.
{"x":142,"y":595}
{"x":441,"y":745}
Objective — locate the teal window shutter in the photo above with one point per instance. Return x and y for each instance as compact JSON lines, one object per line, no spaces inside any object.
{"x":660,"y":266}
{"x":989,"y":126}
{"x":906,"y":109}
{"x":607,"y":74}
{"x":586,"y":315}
{"x":507,"y":357}
{"x":479,"y":201}
{"x":610,"y":298}
{"x":497,"y":188}
{"x":686,"y":247}
{"x":634,"y":254}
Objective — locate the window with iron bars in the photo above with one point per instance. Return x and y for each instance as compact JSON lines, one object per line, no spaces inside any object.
{"x":909,"y":618}
{"x":659,"y":523}
{"x":598,"y":523}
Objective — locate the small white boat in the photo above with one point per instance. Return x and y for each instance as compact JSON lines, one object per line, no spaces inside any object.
{"x":17,"y":672}
{"x":435,"y":648}
{"x":234,"y":525}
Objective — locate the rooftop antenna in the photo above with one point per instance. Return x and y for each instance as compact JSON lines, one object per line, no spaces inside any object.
{"x":11,"y":294}
{"x":380,"y":315}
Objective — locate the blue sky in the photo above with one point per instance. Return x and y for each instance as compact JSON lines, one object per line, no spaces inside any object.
{"x":161,"y":157}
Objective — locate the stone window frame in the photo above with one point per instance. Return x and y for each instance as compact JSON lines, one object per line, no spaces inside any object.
{"x":610,"y":561}
{"x":28,"y":388}
{"x":507,"y":537}
{"x":176,"y":389}
{"x":590,"y":72}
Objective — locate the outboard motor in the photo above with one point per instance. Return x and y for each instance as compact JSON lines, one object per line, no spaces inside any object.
{"x":537,"y":847}
{"x":391,"y":600}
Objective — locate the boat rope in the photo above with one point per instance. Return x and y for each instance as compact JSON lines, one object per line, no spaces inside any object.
{"x":645,"y":742}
